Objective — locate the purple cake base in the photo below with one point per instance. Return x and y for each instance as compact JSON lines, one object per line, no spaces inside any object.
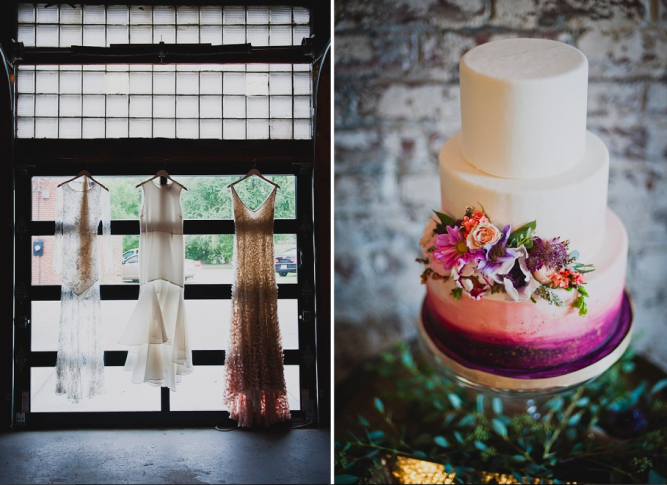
{"x":624,"y":324}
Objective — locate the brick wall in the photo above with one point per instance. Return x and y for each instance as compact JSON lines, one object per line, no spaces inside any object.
{"x":397,"y":101}
{"x":44,"y":209}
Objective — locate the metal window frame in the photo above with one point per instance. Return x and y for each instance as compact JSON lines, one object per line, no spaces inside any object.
{"x":53,"y":157}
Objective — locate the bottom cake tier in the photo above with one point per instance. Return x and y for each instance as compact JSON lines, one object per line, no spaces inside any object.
{"x":535,"y":340}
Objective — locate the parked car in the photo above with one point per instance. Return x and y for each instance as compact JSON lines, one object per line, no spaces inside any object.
{"x":286,"y":262}
{"x":131,"y":269}
{"x":130,"y":253}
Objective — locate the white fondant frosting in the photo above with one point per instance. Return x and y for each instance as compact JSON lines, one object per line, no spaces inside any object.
{"x":570,"y":205}
{"x":523,"y":107}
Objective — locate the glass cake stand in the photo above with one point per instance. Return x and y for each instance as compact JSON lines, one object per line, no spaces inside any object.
{"x":527,"y":389}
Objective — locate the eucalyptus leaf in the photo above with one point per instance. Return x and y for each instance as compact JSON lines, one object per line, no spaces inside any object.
{"x":455,"y":400}
{"x":584,"y":401}
{"x":467,"y":419}
{"x":441,"y":441}
{"x":659,"y":386}
{"x":445,"y":220}
{"x":379,"y":405}
{"x":574,"y":419}
{"x":376,"y":435}
{"x":519,"y":458}
{"x":556,"y":404}
{"x":497,"y":405}
{"x":655,"y":478}
{"x":518,"y":477}
{"x":499,"y":427}
{"x":420,"y":454}
{"x":345,"y":479}
{"x":480,"y":446}
{"x":574,"y":254}
{"x":458,"y":437}
{"x":480,"y":403}
{"x":363,"y":421}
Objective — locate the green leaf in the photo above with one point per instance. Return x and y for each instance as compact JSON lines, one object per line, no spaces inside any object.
{"x":379,"y":406}
{"x":556,"y":404}
{"x":445,"y":220}
{"x":480,"y":403}
{"x":628,"y":367}
{"x":363,"y":421}
{"x":574,"y":419}
{"x":499,"y":427}
{"x":583,"y":401}
{"x":480,"y":446}
{"x":518,"y":234}
{"x":467,"y":419}
{"x":458,"y":437}
{"x":519,"y":458}
{"x":659,"y":386}
{"x":455,"y":400}
{"x":345,"y":479}
{"x":456,"y":293}
{"x":655,"y":478}
{"x":574,"y":254}
{"x":419,"y":454}
{"x":375,"y":435}
{"x":582,"y":291}
{"x":497,"y":405}
{"x":441,"y":441}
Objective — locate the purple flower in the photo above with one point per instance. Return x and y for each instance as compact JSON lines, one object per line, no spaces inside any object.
{"x":451,"y":249}
{"x":507,"y":266}
{"x":499,"y":258}
{"x":552,"y":254}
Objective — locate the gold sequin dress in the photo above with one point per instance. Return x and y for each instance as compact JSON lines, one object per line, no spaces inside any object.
{"x":255,"y":387}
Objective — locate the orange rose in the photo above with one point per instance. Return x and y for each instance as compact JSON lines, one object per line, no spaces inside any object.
{"x":484,"y":233}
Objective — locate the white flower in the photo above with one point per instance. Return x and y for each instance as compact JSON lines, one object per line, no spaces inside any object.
{"x":524,"y":292}
{"x":543,"y":275}
{"x":470,"y":280}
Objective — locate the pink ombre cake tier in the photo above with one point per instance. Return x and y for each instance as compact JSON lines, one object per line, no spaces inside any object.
{"x":526,"y":336}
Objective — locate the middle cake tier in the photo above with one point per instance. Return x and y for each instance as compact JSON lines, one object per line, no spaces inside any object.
{"x":570,"y":205}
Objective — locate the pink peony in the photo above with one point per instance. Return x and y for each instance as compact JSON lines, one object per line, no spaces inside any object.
{"x":482,"y":234}
{"x":578,"y":279}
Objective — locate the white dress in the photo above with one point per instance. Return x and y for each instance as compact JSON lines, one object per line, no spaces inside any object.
{"x":160,"y":351}
{"x":80,"y":364}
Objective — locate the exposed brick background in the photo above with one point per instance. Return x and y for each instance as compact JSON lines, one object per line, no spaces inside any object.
{"x":397,"y":101}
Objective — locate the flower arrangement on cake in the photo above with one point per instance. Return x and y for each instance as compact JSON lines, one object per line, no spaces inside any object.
{"x":481,"y":258}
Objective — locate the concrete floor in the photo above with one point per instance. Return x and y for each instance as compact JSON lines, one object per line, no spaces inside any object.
{"x":166,"y":456}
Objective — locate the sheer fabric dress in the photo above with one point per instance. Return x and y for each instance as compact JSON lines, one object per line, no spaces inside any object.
{"x":80,"y":207}
{"x":157,"y":332}
{"x":255,"y":387}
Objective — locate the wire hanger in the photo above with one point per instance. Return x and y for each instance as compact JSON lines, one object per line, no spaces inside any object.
{"x":162,"y":173}
{"x":84,"y":173}
{"x":252,"y":172}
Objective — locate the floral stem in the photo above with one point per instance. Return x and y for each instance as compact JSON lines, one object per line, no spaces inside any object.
{"x":561,"y":425}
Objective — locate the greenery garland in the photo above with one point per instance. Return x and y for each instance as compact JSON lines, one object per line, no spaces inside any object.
{"x":613,"y":430}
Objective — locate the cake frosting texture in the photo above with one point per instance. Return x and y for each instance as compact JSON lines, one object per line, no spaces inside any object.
{"x":571,"y":205}
{"x":523,"y":107}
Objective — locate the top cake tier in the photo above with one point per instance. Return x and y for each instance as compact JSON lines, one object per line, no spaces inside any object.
{"x":523,"y":107}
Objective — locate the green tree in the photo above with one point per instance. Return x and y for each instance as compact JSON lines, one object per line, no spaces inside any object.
{"x":207,"y":198}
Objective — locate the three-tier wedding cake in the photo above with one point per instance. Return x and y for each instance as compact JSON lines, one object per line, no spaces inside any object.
{"x":524,"y":263}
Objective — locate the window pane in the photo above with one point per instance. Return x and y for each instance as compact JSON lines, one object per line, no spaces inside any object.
{"x":26,"y":12}
{"x":204,"y":390}
{"x":121,"y":394}
{"x":47,"y":13}
{"x":208,"y":320}
{"x":246,"y":98}
{"x":43,"y":271}
{"x":211,"y":14}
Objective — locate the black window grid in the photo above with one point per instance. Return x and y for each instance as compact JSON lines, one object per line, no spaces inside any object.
{"x":295,"y":122}
{"x":302,"y":292}
{"x":239,"y":18}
